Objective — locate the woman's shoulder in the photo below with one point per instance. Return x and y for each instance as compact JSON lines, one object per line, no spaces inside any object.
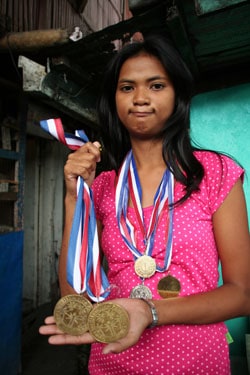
{"x":103,"y":190}
{"x":104,"y":180}
{"x":217,"y":162}
{"x":105,"y":175}
{"x":220,"y":170}
{"x":220,"y":174}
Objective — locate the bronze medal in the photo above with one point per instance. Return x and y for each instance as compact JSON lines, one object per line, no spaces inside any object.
{"x":108,"y":322}
{"x":169,"y":287}
{"x":71,"y":314}
{"x":141,"y":291}
{"x":145,"y":266}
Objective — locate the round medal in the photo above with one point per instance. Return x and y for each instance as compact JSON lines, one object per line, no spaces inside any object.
{"x":141,"y":291}
{"x":71,"y":314}
{"x":169,"y":287}
{"x":145,"y":266}
{"x":108,"y":322}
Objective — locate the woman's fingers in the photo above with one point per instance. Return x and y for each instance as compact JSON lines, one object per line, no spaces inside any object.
{"x":64,"y":339}
{"x":82,"y":163}
{"x":121,"y":345}
{"x":57,"y":337}
{"x":50,"y":330}
{"x":50,"y":320}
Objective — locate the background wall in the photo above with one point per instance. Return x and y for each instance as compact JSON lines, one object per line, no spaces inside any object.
{"x":11,"y":245}
{"x":220,"y":120}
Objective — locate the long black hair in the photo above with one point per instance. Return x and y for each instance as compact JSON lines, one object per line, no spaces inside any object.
{"x":177,"y":150}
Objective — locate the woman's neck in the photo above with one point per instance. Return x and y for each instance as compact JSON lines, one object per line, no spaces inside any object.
{"x":150,"y":168}
{"x":148,"y":155}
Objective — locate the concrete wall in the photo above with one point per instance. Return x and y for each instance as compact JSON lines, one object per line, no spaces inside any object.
{"x":220,"y":120}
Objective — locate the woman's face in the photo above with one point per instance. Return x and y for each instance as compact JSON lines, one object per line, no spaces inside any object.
{"x":145,"y":96}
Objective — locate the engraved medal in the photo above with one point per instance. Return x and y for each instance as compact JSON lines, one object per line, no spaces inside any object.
{"x":71,"y":314}
{"x":141,"y":291}
{"x":145,"y":266}
{"x":169,"y":287}
{"x":108,"y":322}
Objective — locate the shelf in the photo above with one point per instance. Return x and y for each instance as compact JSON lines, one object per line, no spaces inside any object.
{"x":7,"y":181}
{"x":12,"y":157}
{"x":8,"y":196}
{"x":6,"y":229}
{"x":7,"y":154}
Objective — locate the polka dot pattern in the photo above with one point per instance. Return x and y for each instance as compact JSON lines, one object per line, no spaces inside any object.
{"x":173,"y":349}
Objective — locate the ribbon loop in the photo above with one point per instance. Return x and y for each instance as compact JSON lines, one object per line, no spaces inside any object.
{"x":84,"y":270}
{"x":129,"y":184}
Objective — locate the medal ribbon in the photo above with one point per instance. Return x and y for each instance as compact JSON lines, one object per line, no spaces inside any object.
{"x":128,"y":184}
{"x":84,"y":270}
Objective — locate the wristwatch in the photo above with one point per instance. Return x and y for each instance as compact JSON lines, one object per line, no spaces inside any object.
{"x":153,"y":312}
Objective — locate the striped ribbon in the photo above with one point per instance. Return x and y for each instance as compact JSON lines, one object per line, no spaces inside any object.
{"x":84,"y":270}
{"x":128,"y":184}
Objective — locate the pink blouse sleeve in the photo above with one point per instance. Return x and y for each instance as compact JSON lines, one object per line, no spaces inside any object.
{"x":221,"y":173}
{"x":101,"y":185}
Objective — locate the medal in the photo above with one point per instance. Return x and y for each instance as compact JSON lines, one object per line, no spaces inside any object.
{"x":141,"y":291}
{"x":145,"y":266}
{"x":128,"y":186}
{"x":169,"y":287}
{"x":71,"y":314}
{"x":108,"y":322}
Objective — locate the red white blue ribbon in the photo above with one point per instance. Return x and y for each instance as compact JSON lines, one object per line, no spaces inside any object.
{"x":84,"y":270}
{"x":55,"y":128}
{"x":128,"y":184}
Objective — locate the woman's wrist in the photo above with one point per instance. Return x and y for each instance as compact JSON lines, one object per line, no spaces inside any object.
{"x":154,"y":314}
{"x":70,"y":198}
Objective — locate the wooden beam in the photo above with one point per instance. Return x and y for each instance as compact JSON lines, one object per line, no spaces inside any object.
{"x":140,"y":6}
{"x":34,"y":40}
{"x":176,"y":26}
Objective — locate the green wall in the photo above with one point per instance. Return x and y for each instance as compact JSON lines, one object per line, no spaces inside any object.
{"x":220,"y":120}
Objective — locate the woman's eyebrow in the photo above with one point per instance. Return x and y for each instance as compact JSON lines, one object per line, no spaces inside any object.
{"x":153,"y":78}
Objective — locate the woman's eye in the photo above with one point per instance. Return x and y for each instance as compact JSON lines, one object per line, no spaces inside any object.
{"x":126,"y":88}
{"x":157,"y":86}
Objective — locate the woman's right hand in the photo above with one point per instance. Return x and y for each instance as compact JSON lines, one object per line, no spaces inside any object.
{"x":82,"y":163}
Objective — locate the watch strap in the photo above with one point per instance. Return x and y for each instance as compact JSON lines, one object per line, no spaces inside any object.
{"x":153,"y":312}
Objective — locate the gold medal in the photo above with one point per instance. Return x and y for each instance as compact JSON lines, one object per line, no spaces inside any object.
{"x":169,"y":287}
{"x":71,"y":314}
{"x":108,"y":322}
{"x":145,"y":266}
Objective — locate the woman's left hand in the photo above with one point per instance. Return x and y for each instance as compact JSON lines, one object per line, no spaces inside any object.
{"x":139,"y":316}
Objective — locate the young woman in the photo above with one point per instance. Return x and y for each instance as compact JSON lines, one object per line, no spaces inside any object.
{"x":183,"y":210}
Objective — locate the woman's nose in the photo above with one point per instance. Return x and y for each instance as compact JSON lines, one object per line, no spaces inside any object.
{"x":141,"y":96}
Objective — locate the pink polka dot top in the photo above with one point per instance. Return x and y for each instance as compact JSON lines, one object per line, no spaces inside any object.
{"x":169,"y":349}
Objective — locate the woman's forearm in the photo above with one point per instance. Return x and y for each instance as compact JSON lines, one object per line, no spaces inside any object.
{"x":223,"y":303}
